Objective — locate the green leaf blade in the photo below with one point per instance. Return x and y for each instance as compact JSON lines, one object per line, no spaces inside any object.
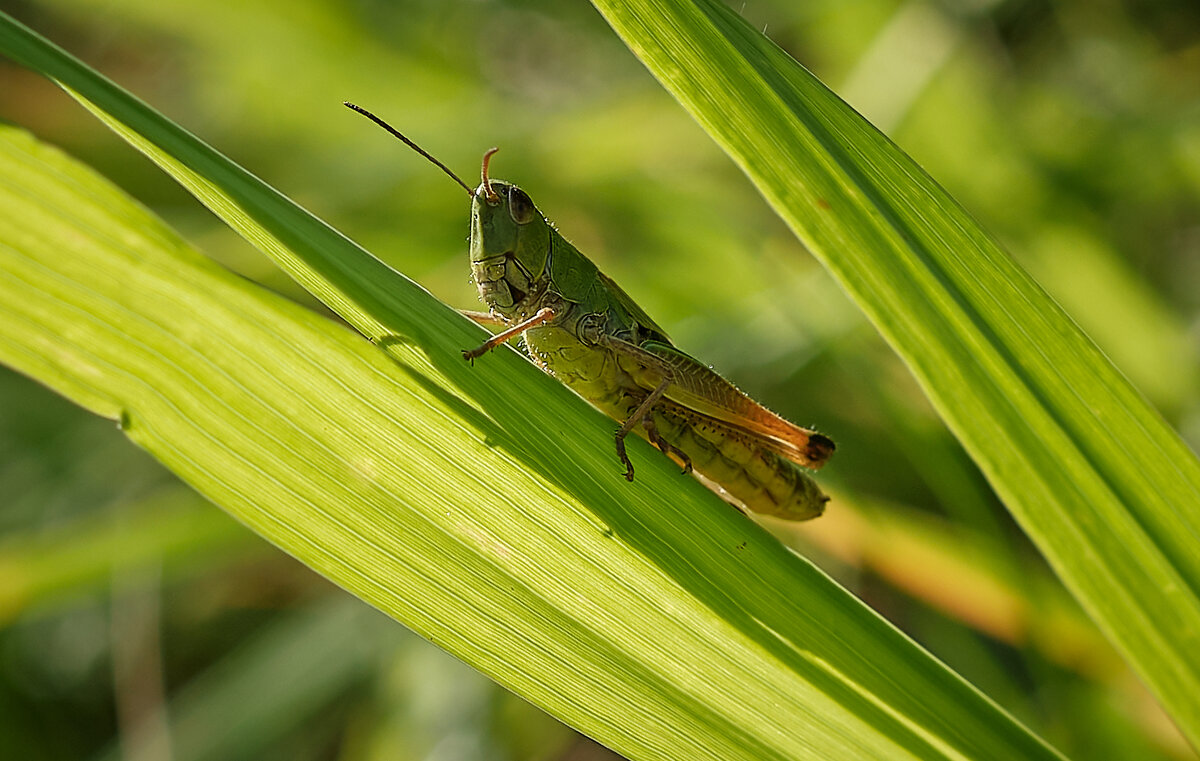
{"x":1095,"y":476}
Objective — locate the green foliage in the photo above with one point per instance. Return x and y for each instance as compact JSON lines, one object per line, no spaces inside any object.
{"x":527,"y":503}
{"x":550,"y":576}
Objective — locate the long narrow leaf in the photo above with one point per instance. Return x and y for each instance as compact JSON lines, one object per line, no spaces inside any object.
{"x":1106,"y":489}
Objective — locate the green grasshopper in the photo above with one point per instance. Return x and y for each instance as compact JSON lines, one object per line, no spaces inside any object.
{"x":580,"y":327}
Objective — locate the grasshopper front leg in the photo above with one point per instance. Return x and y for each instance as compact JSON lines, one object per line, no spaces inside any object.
{"x":487,"y":319}
{"x":543,"y":316}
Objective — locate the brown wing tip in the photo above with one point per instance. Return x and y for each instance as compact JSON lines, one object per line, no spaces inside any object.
{"x":820,"y":448}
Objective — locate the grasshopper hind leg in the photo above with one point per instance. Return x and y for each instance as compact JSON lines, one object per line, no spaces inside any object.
{"x":667,"y":447}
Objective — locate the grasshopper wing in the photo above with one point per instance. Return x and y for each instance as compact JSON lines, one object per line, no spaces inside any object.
{"x":697,"y":387}
{"x":636,"y":312}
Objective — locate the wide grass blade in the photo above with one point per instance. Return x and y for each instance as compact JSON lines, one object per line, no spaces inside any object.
{"x":1110,"y":494}
{"x":482,"y":507}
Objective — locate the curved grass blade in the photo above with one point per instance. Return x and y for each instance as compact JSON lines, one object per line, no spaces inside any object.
{"x":1110,"y":494}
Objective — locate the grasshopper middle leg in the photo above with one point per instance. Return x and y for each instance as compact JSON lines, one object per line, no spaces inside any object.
{"x":638,"y":416}
{"x":642,"y":413}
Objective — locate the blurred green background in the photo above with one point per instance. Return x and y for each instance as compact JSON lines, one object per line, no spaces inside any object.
{"x":138,"y":622}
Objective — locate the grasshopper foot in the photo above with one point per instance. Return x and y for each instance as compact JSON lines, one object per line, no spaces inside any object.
{"x":624,"y":457}
{"x":471,"y":354}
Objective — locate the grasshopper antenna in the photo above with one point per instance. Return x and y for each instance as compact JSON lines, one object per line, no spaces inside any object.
{"x":488,"y":193}
{"x":410,"y":144}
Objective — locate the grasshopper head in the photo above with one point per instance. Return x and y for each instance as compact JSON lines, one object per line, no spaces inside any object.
{"x":510,"y":241}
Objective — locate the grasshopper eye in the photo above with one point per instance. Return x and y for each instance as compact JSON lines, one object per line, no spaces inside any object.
{"x":520,"y":206}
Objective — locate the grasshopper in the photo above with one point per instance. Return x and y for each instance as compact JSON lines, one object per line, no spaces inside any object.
{"x":579,"y":326}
